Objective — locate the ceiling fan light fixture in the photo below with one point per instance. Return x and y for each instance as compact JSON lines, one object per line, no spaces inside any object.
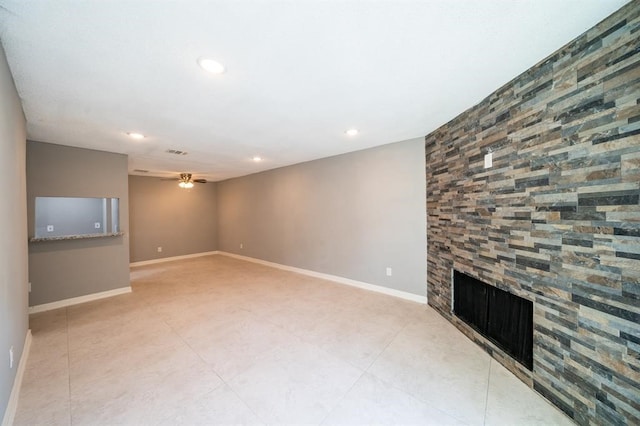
{"x":257,"y":159}
{"x":211,"y":66}
{"x":185,"y":181}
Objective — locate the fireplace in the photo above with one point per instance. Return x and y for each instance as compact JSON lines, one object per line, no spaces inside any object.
{"x":502,"y":317}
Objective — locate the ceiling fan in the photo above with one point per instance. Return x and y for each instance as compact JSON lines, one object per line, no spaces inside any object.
{"x":186,"y":181}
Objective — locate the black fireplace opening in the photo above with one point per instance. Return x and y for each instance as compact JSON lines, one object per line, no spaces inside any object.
{"x":502,"y":317}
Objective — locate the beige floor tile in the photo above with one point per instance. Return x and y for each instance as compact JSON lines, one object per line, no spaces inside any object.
{"x":190,"y":310}
{"x":123,"y":352}
{"x":357,"y":336}
{"x":140,"y":353}
{"x":219,"y":407}
{"x":44,"y":395}
{"x":44,"y":398}
{"x":234,"y":343}
{"x":144,"y":396}
{"x":46,"y":322}
{"x":374,"y":402}
{"x":299,"y":385}
{"x":216,"y":340}
{"x":511,"y":402}
{"x":441,"y":368}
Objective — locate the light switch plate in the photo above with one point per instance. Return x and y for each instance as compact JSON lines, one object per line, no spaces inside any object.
{"x":488,"y":160}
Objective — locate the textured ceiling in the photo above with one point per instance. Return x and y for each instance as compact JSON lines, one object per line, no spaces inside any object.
{"x":299,"y":73}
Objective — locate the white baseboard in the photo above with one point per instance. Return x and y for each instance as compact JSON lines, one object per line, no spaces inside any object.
{"x":12,"y":406}
{"x":334,"y":278}
{"x":76,"y":300}
{"x":171,"y":259}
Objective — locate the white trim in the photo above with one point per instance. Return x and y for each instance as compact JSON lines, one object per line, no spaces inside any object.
{"x":341,"y":280}
{"x":76,"y":300}
{"x":171,"y":259}
{"x":12,"y":405}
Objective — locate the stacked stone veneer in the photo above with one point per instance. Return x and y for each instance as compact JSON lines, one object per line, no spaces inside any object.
{"x":556,"y":219}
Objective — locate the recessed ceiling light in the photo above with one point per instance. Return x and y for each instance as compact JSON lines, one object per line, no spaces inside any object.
{"x":210,"y":65}
{"x":257,"y":159}
{"x":135,"y":135}
{"x":352,"y":132}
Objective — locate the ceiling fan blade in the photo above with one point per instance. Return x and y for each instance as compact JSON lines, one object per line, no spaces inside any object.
{"x":200,"y":180}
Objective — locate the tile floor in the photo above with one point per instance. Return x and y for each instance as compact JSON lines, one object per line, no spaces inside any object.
{"x":216,"y":340}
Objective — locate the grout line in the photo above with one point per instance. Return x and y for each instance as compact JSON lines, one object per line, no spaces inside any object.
{"x":417,"y":397}
{"x":174,"y":331}
{"x":364,"y":371}
{"x":222,"y":380}
{"x":486,"y":399}
{"x":245,"y":403}
{"x":344,"y":395}
{"x":387,"y":345}
{"x":159,"y":318}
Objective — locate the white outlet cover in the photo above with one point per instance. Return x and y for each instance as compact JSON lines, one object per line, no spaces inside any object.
{"x":488,"y":160}
{"x":11,"y":357}
{"x":389,"y":272}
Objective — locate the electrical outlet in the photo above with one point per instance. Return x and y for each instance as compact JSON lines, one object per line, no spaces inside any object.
{"x":96,"y":225}
{"x":241,"y":245}
{"x":29,"y":286}
{"x":49,"y":228}
{"x":389,"y":271}
{"x":11,"y":357}
{"x":159,"y":249}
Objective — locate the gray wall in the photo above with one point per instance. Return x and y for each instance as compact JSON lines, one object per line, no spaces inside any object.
{"x":351,"y":215}
{"x":13,"y":231}
{"x":181,"y":221}
{"x":63,"y":269}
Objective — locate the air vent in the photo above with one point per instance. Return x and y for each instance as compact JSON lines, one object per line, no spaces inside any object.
{"x":140,"y":171}
{"x":176,"y":152}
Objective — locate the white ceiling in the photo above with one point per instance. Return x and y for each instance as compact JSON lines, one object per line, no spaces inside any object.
{"x":299,"y":72}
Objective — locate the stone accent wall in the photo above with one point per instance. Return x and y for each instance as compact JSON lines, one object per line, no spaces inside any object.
{"x":556,"y":219}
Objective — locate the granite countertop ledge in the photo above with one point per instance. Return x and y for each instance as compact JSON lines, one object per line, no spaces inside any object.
{"x":75,"y":237}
